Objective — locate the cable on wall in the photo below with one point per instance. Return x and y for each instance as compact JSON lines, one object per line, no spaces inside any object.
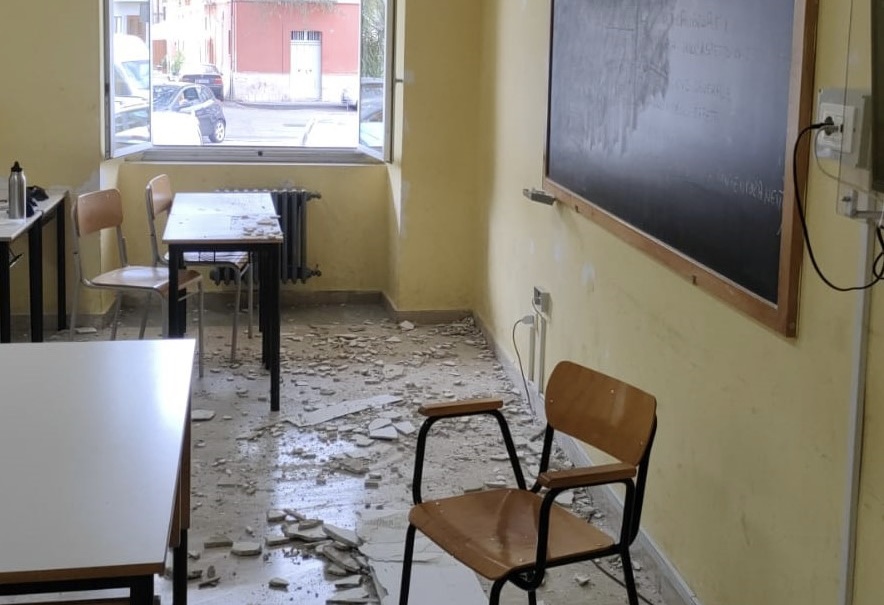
{"x":877,"y":264}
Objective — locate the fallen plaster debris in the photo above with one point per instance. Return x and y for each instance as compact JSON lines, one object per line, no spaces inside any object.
{"x":209,"y":582}
{"x":344,"y":536}
{"x":343,"y":408}
{"x":278,"y":583}
{"x":314,"y":534}
{"x":309,"y":523}
{"x":246,"y":549}
{"x":276,"y":540}
{"x":340,"y":558}
{"x":350,"y":595}
{"x":348,"y":582}
{"x":324,"y":452}
{"x":405,"y":427}
{"x":218,"y":541}
{"x":387,"y":433}
{"x":201,"y":415}
{"x":379,"y":423}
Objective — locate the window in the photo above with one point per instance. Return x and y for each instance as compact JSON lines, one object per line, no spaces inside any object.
{"x":263,"y":78}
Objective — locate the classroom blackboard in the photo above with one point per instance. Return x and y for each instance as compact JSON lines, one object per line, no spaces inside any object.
{"x":672,"y":122}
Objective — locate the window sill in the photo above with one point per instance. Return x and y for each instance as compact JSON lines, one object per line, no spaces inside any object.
{"x":254,"y":155}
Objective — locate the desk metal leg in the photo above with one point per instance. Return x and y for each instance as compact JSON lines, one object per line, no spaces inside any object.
{"x":141,"y":591}
{"x":60,"y":266}
{"x":175,"y":310}
{"x":35,"y":280}
{"x":179,"y":570}
{"x":272,"y":334}
{"x":5,"y":294}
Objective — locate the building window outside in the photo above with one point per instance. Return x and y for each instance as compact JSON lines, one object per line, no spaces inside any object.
{"x":283,"y":74}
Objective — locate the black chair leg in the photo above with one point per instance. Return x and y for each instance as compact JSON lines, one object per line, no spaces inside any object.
{"x":629,"y":577}
{"x":406,"y":565}
{"x":494,"y":597}
{"x":532,"y":597}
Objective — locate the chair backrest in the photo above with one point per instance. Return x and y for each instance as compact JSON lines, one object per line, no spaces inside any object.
{"x":158,"y":199}
{"x":601,"y":411}
{"x":93,"y":212}
{"x":96,"y":211}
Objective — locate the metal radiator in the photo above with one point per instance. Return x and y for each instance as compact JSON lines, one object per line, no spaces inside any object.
{"x":291,"y":206}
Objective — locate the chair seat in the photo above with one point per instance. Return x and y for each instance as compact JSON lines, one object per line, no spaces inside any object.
{"x":495,"y":532}
{"x":137,"y":277}
{"x":238,"y":259}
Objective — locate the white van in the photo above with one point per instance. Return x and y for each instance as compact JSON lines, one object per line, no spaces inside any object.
{"x":131,"y":67}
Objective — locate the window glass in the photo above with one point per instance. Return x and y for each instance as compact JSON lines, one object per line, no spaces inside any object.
{"x":282,"y":74}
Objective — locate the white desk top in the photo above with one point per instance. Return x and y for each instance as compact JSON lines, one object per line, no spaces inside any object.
{"x":222,"y":218}
{"x":11,"y":229}
{"x":90,"y":443}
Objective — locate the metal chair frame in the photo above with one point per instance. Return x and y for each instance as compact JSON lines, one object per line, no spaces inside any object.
{"x":158,"y":199}
{"x":571,"y":409}
{"x":99,"y":210}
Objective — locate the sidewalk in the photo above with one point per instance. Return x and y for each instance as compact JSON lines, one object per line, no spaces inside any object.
{"x":324,"y":105}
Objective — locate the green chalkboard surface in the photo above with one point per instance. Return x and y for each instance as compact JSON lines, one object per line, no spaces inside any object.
{"x":672,"y":123}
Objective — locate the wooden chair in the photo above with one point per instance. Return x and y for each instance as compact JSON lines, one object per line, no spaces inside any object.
{"x":158,"y":198}
{"x":99,"y":210}
{"x":516,"y":534}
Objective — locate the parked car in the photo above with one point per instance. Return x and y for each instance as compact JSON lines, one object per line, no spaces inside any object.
{"x":195,"y":99}
{"x":205,"y":74}
{"x":166,"y":127}
{"x":369,"y":88}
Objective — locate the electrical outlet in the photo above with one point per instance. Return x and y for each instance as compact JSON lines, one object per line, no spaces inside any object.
{"x":541,"y":299}
{"x":841,"y":139}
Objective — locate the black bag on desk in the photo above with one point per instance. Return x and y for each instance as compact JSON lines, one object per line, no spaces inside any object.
{"x":34,"y":194}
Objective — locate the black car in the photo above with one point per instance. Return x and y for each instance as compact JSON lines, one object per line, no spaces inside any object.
{"x":195,"y":99}
{"x":205,"y":74}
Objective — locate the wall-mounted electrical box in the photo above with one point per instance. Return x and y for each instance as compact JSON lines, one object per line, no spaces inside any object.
{"x":849,"y":140}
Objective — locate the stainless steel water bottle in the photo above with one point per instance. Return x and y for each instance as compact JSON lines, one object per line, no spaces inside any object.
{"x":17,"y":192}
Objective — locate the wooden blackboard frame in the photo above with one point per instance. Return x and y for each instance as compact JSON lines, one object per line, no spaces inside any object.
{"x":782,"y":315}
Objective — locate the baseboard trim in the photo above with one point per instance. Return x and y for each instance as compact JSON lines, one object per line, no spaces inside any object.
{"x":424,"y":317}
{"x":672,"y":586}
{"x":289,"y":297}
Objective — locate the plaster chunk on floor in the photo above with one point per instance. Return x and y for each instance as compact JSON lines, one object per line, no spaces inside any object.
{"x":379,"y":423}
{"x":246,"y":549}
{"x":339,"y":558}
{"x":344,"y":536}
{"x":387,"y":433}
{"x":218,"y":541}
{"x":200,"y":415}
{"x":276,"y":540}
{"x":406,"y":427}
{"x":350,"y":595}
{"x":314,"y":534}
{"x":278,"y":583}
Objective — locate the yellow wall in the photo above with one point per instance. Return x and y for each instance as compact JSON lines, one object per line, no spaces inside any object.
{"x":435,"y":220}
{"x":852,"y":46}
{"x":347,"y":228}
{"x":748,"y":478}
{"x":747,"y":489}
{"x":50,"y":108}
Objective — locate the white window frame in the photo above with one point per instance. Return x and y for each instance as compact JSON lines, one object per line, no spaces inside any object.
{"x":248,"y":154}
